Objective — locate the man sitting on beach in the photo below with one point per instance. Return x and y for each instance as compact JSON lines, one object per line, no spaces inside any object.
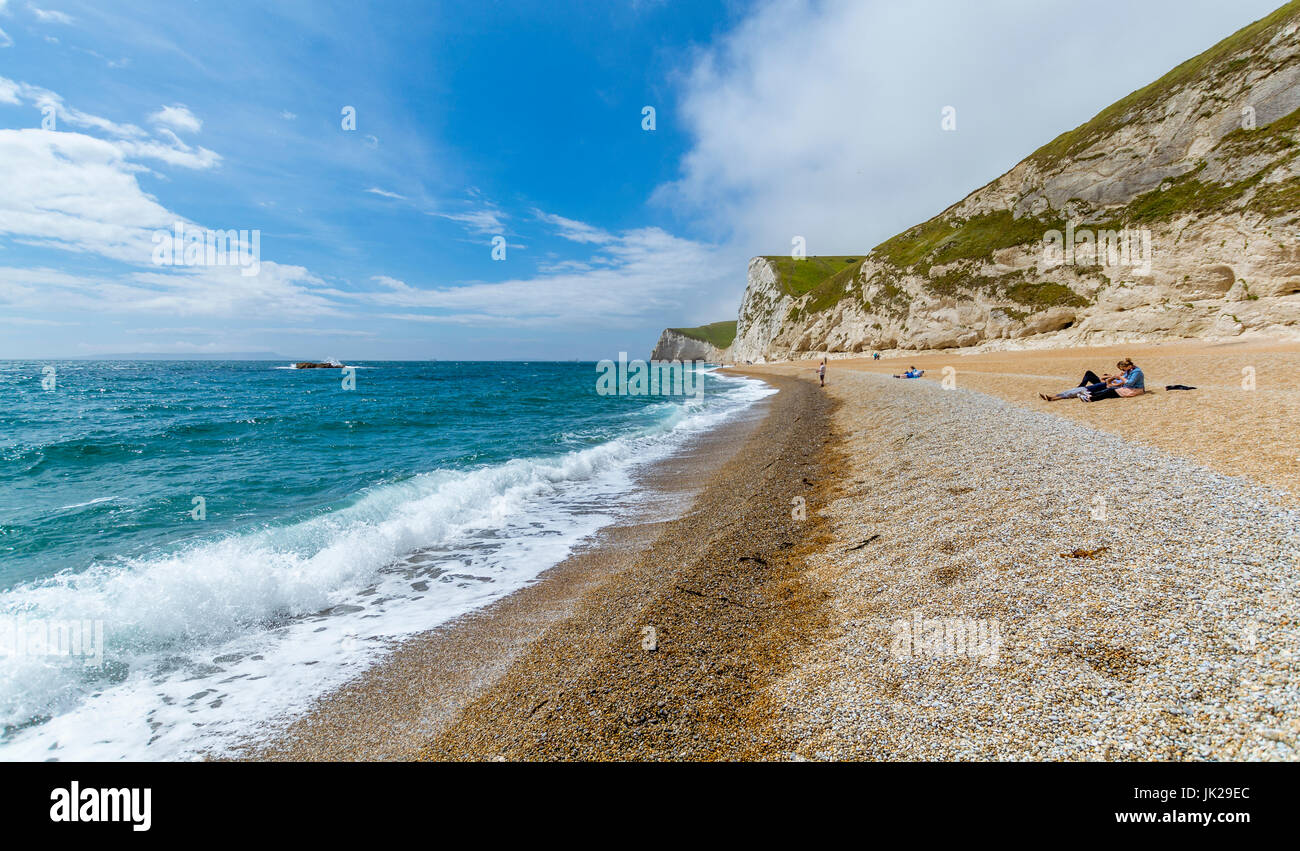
{"x":912,"y":372}
{"x":1129,"y":382}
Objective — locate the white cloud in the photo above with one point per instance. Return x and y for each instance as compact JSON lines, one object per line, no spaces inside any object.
{"x":575,"y":231}
{"x":177,"y":117}
{"x":792,"y":140}
{"x":639,"y":274}
{"x":36,"y":323}
{"x":50,"y":16}
{"x":79,"y":193}
{"x":288,"y":116}
{"x":214,"y":292}
{"x":384,"y":193}
{"x":821,"y":118}
{"x":75,"y":192}
{"x":314,"y":332}
{"x":484,"y":220}
{"x":130,"y":140}
{"x":5,"y":40}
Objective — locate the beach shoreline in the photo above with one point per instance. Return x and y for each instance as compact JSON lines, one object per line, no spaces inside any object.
{"x":418,"y":691}
{"x":734,"y":631}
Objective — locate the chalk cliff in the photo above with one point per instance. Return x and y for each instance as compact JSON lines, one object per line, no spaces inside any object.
{"x":709,"y":343}
{"x":1173,"y":213}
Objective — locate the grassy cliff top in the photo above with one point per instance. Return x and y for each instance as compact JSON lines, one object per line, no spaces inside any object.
{"x":804,"y":275}
{"x":717,"y":334}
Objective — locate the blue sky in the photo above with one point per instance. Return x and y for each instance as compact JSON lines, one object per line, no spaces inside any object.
{"x":521,"y":120}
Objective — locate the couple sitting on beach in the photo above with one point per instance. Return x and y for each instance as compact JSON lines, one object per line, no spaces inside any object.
{"x":1129,"y":382}
{"x":912,"y":372}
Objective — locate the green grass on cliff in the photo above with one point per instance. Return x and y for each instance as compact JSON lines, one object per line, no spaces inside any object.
{"x":1188,"y":194}
{"x":941,"y":241}
{"x":825,"y":280}
{"x":801,"y":276}
{"x":717,"y":334}
{"x":963,"y":244}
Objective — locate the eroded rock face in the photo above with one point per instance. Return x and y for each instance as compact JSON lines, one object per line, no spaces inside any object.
{"x":762,"y":313}
{"x":675,"y":346}
{"x":1222,"y":262}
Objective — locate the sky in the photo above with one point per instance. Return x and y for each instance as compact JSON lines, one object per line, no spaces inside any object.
{"x":482,"y":180}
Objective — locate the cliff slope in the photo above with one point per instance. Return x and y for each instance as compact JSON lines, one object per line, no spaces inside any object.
{"x":1173,"y":213}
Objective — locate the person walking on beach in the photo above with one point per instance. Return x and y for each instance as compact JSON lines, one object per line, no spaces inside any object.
{"x":821,"y":373}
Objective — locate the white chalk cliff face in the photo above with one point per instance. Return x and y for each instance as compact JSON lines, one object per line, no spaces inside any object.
{"x":762,"y":313}
{"x":1196,"y":178}
{"x":676,"y":346}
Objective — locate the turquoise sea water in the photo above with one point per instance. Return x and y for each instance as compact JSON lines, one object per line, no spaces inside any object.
{"x":248,"y":536}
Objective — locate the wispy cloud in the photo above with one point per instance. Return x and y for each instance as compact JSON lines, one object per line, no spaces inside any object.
{"x":314,"y":332}
{"x":213,"y":292}
{"x":384,"y":193}
{"x":50,"y":16}
{"x":636,"y":274}
{"x":478,"y":221}
{"x":575,"y":231}
{"x":177,"y":117}
{"x":130,"y":140}
{"x":79,"y":193}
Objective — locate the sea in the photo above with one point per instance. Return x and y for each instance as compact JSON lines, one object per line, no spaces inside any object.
{"x":191,"y":553}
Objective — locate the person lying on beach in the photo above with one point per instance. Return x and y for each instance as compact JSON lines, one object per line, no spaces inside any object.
{"x":1129,"y":382}
{"x":912,"y":372}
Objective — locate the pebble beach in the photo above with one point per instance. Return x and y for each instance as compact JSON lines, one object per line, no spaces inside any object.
{"x":888,"y":569}
{"x":1146,"y":605}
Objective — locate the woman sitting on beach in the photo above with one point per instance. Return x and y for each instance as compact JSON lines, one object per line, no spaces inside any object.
{"x":912,"y":372}
{"x":1129,"y":382}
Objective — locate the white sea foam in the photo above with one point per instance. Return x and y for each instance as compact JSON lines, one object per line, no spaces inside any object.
{"x":226,"y":638}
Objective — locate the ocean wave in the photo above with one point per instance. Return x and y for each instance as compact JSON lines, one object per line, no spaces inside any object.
{"x":251,"y":625}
